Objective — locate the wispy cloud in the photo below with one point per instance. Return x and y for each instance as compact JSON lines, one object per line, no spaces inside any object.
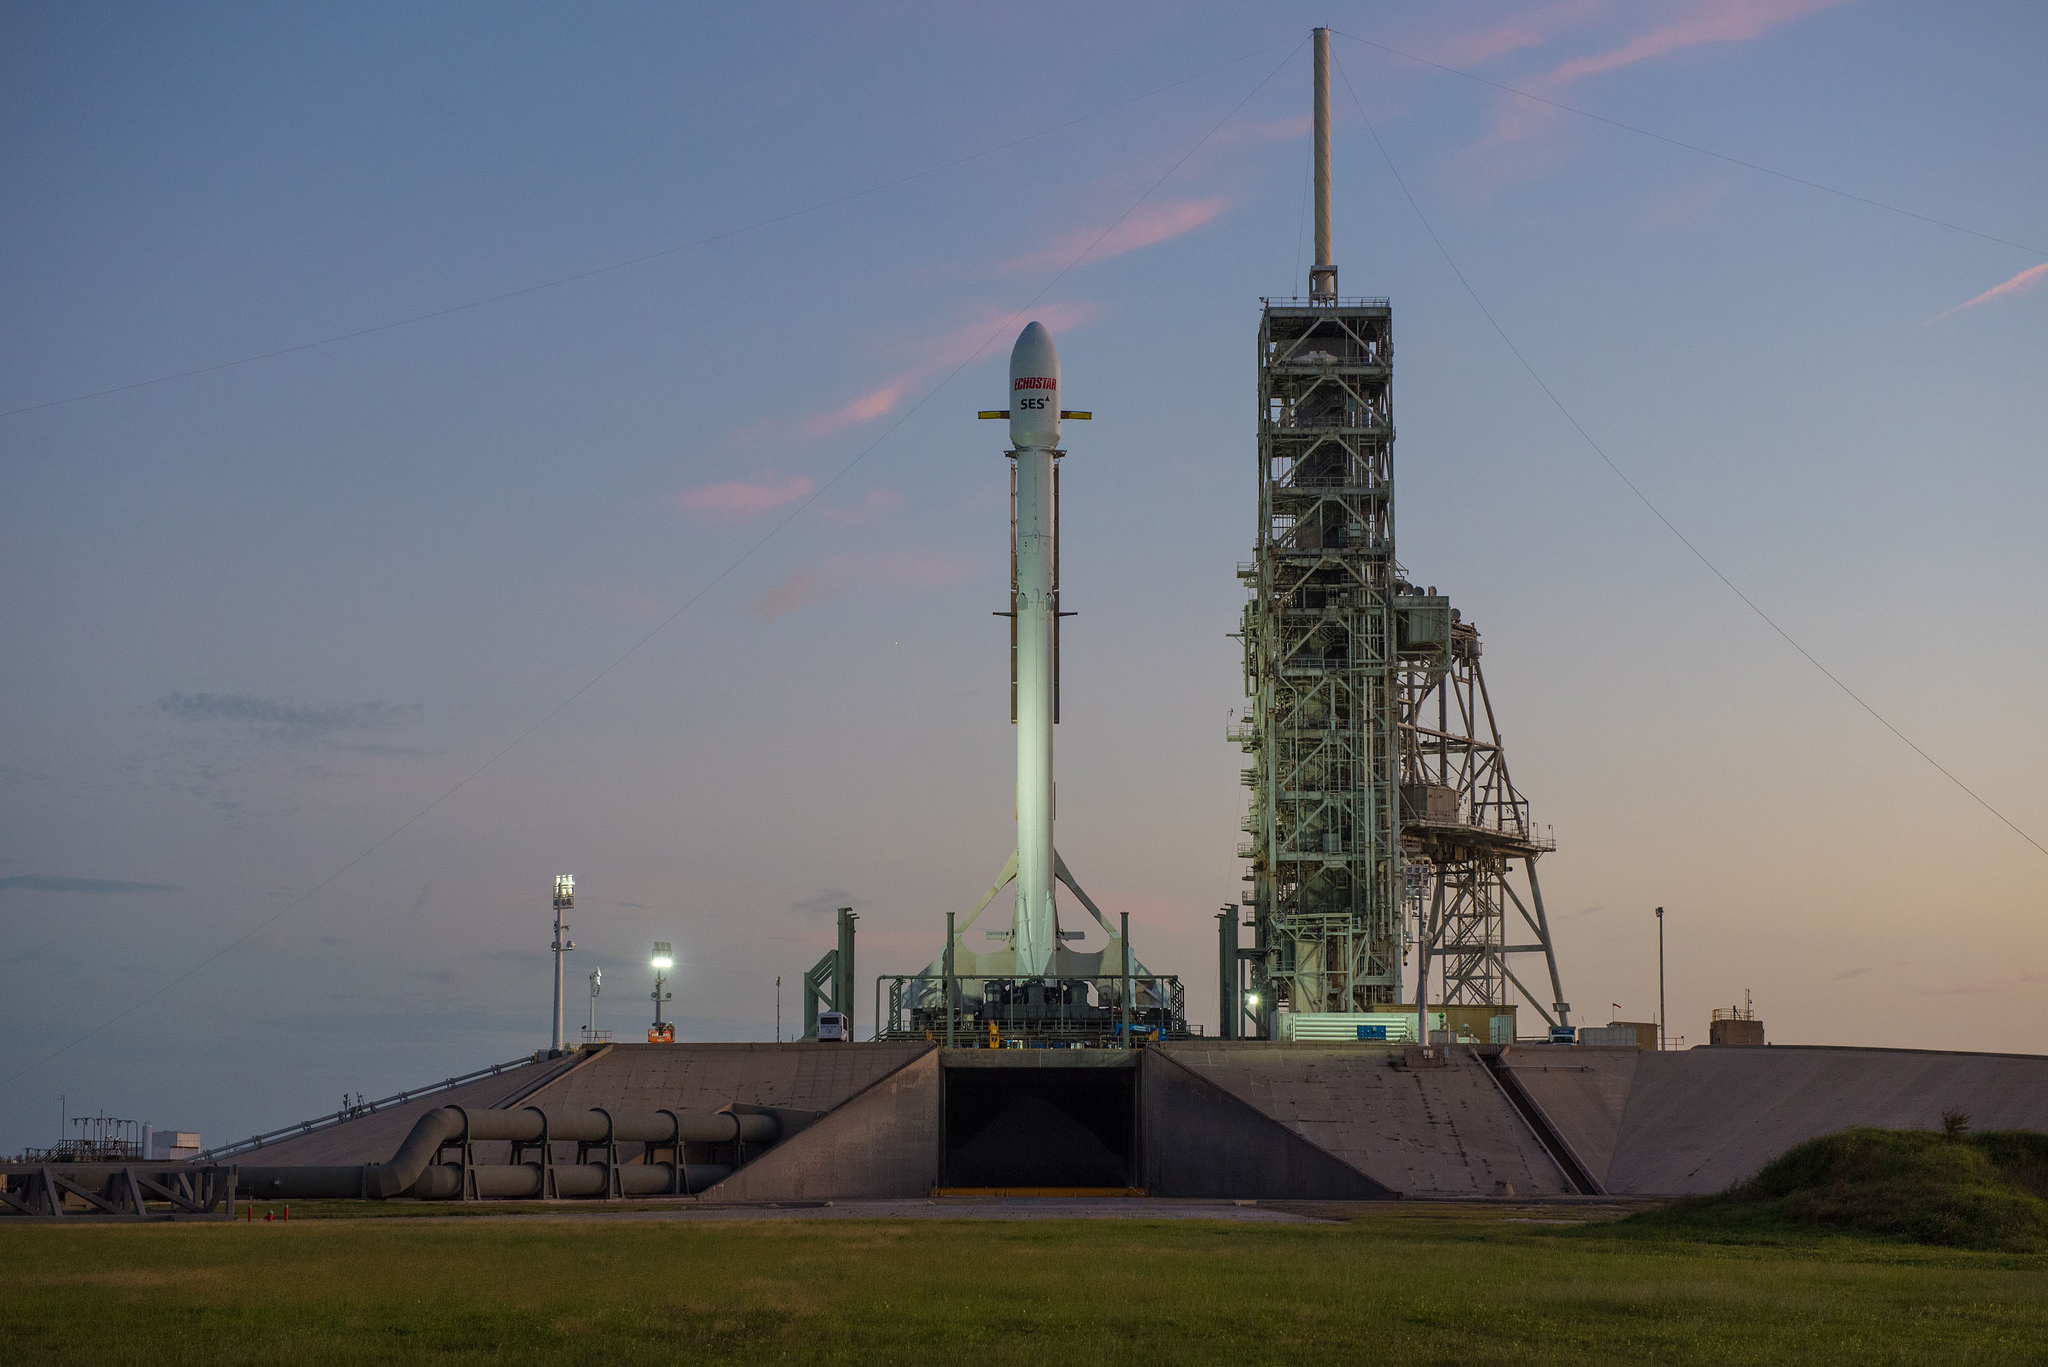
{"x":876,"y":403}
{"x":281,"y":719}
{"x":1684,"y":205}
{"x":2019,"y":284}
{"x":870,"y":504}
{"x":1853,"y":973}
{"x":1265,"y":130}
{"x":36,"y":882}
{"x":1533,"y":28}
{"x":744,"y":499}
{"x":894,"y":570}
{"x":1514,"y":147}
{"x":1150,"y":225}
{"x":932,"y":355}
{"x":1709,"y":21}
{"x":741,"y":500}
{"x":1966,"y":989}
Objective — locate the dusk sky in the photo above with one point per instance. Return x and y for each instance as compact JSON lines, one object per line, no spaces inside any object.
{"x":444,"y":446}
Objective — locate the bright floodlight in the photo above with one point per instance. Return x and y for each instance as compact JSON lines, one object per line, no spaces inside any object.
{"x":1251,"y":999}
{"x":662,"y":957}
{"x":565,"y":889}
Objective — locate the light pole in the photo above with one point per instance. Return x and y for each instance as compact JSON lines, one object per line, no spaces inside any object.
{"x":778,"y":1008}
{"x":596,"y":986}
{"x":1663,"y":1034}
{"x":663,"y":960}
{"x":565,"y":900}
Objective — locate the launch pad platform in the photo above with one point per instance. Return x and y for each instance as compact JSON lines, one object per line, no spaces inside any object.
{"x":1243,"y":1120}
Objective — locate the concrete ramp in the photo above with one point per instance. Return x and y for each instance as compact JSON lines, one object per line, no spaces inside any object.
{"x":374,"y":1138}
{"x":1200,"y":1140}
{"x":1435,"y":1131}
{"x":620,"y":1077}
{"x":882,"y":1143}
{"x":1582,"y":1091}
{"x":1700,"y":1120}
{"x":705,"y":1077}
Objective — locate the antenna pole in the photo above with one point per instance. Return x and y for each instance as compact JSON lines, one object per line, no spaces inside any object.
{"x":1322,"y":276}
{"x":1663,"y":1031}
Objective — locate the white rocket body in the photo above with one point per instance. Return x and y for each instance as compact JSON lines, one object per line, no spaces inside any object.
{"x":1035,"y":435}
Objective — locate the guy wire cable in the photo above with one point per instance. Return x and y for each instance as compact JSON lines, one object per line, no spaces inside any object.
{"x":1643,"y":498}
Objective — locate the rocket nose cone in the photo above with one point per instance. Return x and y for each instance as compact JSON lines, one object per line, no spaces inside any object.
{"x":1034,"y":389}
{"x":1034,"y":355}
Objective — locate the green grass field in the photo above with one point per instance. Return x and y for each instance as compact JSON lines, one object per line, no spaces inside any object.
{"x":1413,"y":1284}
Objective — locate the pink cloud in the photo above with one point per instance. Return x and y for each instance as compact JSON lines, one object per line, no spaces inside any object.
{"x":1265,"y":130}
{"x":897,"y":570}
{"x":872,"y":502}
{"x":1532,"y":29}
{"x":2019,"y":284}
{"x":1513,"y":146}
{"x":1964,"y":989}
{"x":934,"y":355}
{"x":1150,"y":225}
{"x":1682,"y":206}
{"x":874,"y":404}
{"x":1712,"y":21}
{"x":739,"y":499}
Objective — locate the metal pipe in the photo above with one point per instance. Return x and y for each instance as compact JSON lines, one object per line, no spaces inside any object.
{"x":527,"y":1125}
{"x":308,"y":1184}
{"x":1124,"y":919}
{"x":1226,"y":972}
{"x":525,"y":1181}
{"x":950,"y":1011}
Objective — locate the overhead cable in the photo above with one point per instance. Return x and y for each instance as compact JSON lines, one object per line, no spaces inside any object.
{"x":1644,"y":499}
{"x":1695,"y":147}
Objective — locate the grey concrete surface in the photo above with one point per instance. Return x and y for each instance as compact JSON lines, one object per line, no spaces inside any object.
{"x":374,"y":1138}
{"x":1444,"y":1131}
{"x":883,"y":1143}
{"x":1582,"y":1091}
{"x":1699,"y":1120}
{"x":1198,"y":1140}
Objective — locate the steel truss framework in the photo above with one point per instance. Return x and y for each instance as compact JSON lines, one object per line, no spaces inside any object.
{"x":1464,"y":825}
{"x":1378,"y":783}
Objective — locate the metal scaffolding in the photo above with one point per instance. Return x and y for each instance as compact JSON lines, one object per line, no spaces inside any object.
{"x":1465,"y":828}
{"x":1322,"y":666}
{"x":1381,"y":811}
{"x":1381,"y":815}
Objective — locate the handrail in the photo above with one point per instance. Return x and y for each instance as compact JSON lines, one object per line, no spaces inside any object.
{"x":328,"y":1122}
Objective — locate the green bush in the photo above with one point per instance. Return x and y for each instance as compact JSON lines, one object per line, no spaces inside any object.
{"x":1964,"y":1190}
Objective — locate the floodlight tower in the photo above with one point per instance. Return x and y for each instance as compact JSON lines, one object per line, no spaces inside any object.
{"x":565,"y":901}
{"x":663,"y":1032}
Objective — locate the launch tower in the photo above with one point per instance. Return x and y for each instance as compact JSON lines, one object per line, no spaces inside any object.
{"x":1382,"y":818}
